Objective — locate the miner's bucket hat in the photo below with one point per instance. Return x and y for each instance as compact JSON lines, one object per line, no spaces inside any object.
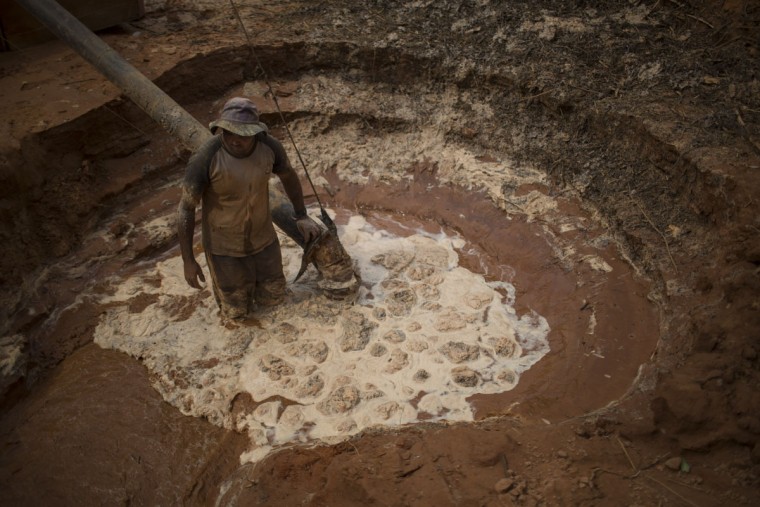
{"x":239,"y":116}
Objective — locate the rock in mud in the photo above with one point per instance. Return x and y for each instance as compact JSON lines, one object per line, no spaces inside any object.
{"x":311,"y":387}
{"x":346,"y":426}
{"x":305,"y":371}
{"x":386,"y":410}
{"x":459,"y":352}
{"x":428,"y":292}
{"x":379,"y":313}
{"x":400,"y":302}
{"x":391,"y":284}
{"x":275,"y":367}
{"x":507,"y":376}
{"x":395,"y":336}
{"x":477,"y":301}
{"x":323,"y":311}
{"x":450,"y":320}
{"x":503,"y":346}
{"x":318,"y":351}
{"x":431,"y":306}
{"x":267,"y":413}
{"x":414,"y":326}
{"x":371,"y":392}
{"x":416,"y":346}
{"x":340,"y":401}
{"x":377,"y":350}
{"x":357,"y":332}
{"x":395,"y":262}
{"x":465,"y":377}
{"x":286,"y":332}
{"x":398,"y":360}
{"x":420,"y":272}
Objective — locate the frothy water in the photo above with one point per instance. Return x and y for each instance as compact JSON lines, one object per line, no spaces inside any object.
{"x":423,"y":335}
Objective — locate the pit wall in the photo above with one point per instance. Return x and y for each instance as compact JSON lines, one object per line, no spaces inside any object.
{"x":62,"y":157}
{"x":665,"y":206}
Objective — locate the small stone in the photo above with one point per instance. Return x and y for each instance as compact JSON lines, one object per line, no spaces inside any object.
{"x":312,"y":387}
{"x":391,"y":284}
{"x":395,"y":262}
{"x":562,"y":454}
{"x":318,"y":351}
{"x":507,"y":376}
{"x":674,"y":464}
{"x":503,"y":485}
{"x":431,"y":306}
{"x":459,"y":352}
{"x":450,"y":320}
{"x":387,"y":409}
{"x":428,"y":292}
{"x":357,"y":331}
{"x":421,"y":376}
{"x":395,"y":336}
{"x":340,"y":401}
{"x":398,"y":360}
{"x":346,"y":426}
{"x":478,"y":301}
{"x":504,"y":346}
{"x":416,"y":345}
{"x":377,"y":350}
{"x":414,"y":326}
{"x":400,"y":302}
{"x":420,"y":272}
{"x":286,"y":333}
{"x":275,"y":367}
{"x":465,"y":377}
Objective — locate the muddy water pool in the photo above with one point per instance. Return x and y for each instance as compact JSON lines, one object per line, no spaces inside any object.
{"x":422,"y":336}
{"x":442,"y":329}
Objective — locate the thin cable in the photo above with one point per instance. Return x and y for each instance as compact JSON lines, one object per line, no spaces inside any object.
{"x":325,"y":216}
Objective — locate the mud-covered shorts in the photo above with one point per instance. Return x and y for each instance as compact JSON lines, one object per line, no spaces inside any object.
{"x":241,"y":281}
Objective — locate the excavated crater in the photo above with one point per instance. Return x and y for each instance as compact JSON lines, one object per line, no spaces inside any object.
{"x":484,"y":291}
{"x":514,"y":274}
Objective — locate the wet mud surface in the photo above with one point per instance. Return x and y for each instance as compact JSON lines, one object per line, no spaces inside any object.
{"x":552,"y":176}
{"x":97,"y":414}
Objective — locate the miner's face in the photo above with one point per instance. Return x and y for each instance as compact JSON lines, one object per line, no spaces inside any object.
{"x":237,"y":146}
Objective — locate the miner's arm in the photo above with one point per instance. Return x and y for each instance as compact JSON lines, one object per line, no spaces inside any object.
{"x":186,"y":231}
{"x":195,"y":182}
{"x":282,"y":168}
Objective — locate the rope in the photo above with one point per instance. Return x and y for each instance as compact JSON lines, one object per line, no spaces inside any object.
{"x":324,"y":216}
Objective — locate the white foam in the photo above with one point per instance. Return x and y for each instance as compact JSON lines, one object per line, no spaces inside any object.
{"x":423,"y":336}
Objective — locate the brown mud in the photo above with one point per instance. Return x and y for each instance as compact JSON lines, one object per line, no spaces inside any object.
{"x":642,"y":115}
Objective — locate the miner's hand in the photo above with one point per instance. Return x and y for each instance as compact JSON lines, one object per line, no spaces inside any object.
{"x":308,"y":229}
{"x":193,"y":273}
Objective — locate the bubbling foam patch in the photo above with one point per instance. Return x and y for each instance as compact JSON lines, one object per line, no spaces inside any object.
{"x":423,"y":335}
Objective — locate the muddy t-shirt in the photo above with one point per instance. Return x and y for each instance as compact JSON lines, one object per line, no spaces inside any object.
{"x":234,"y":193}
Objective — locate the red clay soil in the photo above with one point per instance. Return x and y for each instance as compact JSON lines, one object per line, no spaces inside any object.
{"x":650,"y":119}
